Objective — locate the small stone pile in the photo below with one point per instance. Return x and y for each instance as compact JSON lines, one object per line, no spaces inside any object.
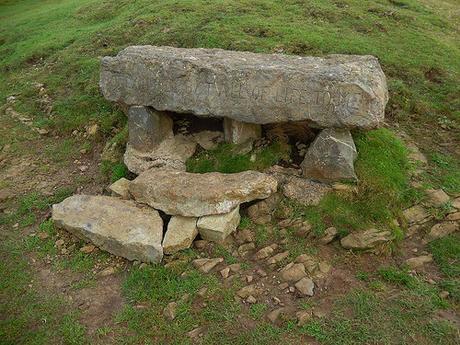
{"x":205,"y":204}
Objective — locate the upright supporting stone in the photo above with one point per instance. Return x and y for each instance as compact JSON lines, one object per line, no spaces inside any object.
{"x":147,"y":127}
{"x":218,"y":226}
{"x":331,"y":156}
{"x":237,"y":132}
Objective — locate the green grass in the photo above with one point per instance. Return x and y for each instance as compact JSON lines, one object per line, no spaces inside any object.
{"x":59,"y":44}
{"x":226,"y":159}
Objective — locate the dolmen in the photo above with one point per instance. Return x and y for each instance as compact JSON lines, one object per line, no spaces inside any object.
{"x":165,"y":208}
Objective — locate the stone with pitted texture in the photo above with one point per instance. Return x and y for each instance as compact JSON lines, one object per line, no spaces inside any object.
{"x":365,"y":239}
{"x":331,"y":156}
{"x":333,"y":91}
{"x":115,"y":225}
{"x":217,"y":227}
{"x":195,"y":195}
{"x":147,"y":127}
{"x":180,"y":234}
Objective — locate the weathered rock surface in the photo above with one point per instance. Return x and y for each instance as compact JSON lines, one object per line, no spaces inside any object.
{"x":329,"y":235}
{"x":217,"y":227}
{"x":120,"y":188}
{"x":416,"y":214}
{"x":172,"y":153}
{"x":365,"y":239}
{"x":148,"y":128}
{"x":304,"y":191}
{"x":331,"y":156}
{"x":208,"y":139}
{"x":335,"y":91}
{"x":237,"y":132}
{"x":293,"y":272}
{"x":418,"y":261}
{"x":205,"y":265}
{"x":437,"y":197}
{"x":261,"y":212}
{"x":180,"y":234}
{"x":196,"y":195}
{"x":441,"y":230}
{"x":305,"y":286}
{"x":114,"y":225}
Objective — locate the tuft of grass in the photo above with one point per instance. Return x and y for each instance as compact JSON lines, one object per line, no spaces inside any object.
{"x":257,"y":310}
{"x":114,"y":171}
{"x":226,"y":158}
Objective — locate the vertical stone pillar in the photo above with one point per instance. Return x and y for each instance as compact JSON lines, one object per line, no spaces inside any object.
{"x":237,"y":132}
{"x":331,"y":156}
{"x":147,"y":127}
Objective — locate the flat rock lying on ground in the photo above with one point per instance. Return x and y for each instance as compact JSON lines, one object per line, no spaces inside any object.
{"x":441,"y":230}
{"x":331,"y":156}
{"x":334,"y":91}
{"x":365,"y":239}
{"x":115,"y":225}
{"x":196,"y":195}
{"x":304,"y":191}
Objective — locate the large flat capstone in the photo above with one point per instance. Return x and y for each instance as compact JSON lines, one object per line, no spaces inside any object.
{"x":115,"y":225}
{"x":195,"y":195}
{"x":334,"y":91}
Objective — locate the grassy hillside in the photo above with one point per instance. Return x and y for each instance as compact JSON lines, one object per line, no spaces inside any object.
{"x":58,"y":44}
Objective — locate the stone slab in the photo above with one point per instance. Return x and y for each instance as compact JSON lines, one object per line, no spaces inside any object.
{"x":115,"y":225}
{"x":195,"y":195}
{"x":333,"y":91}
{"x":217,"y":227}
{"x":180,"y":234}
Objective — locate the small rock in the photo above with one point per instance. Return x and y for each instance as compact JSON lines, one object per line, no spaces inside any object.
{"x":365,"y":239}
{"x":87,"y":249}
{"x":293,"y":272}
{"x":249,"y":290}
{"x":202,"y":292}
{"x":92,"y":130}
{"x":217,"y":227}
{"x":437,"y":197}
{"x":453,"y":216}
{"x":234,"y":267}
{"x":251,"y":300}
{"x":200,"y":244}
{"x":456,"y":203}
{"x":206,"y":265}
{"x":283,"y":286}
{"x":225,"y":272}
{"x":308,"y":261}
{"x":59,"y":243}
{"x":329,"y":235}
{"x":305,"y":286}
{"x":249,"y":279}
{"x":319,"y":313}
{"x":303,"y":317}
{"x":244,"y":236}
{"x":107,"y":271}
{"x":83,"y":168}
{"x":418,"y":261}
{"x":43,"y":235}
{"x":416,"y":214}
{"x":246,"y":247}
{"x":324,"y":267}
{"x":274,"y":315}
{"x":261,"y":272}
{"x":169,"y":311}
{"x":441,"y":230}
{"x":444,"y":294}
{"x":278,"y":257}
{"x":120,"y":188}
{"x":42,"y":131}
{"x":263,"y":253}
{"x":195,"y":333}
